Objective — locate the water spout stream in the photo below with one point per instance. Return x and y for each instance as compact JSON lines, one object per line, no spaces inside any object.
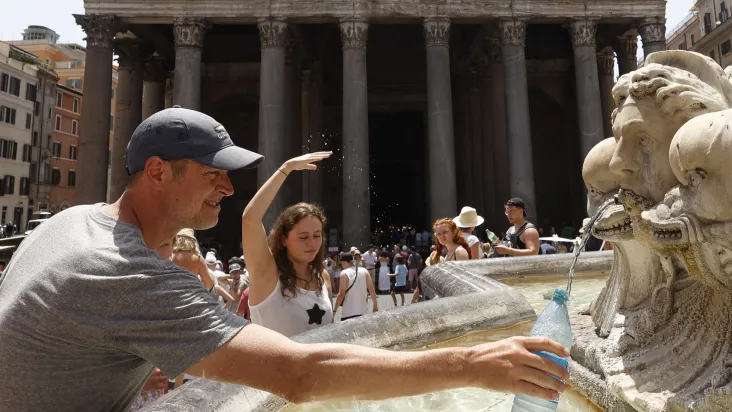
{"x":588,"y":232}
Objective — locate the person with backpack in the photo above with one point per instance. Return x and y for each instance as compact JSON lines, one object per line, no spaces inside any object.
{"x":522,"y":239}
{"x":355,"y":283}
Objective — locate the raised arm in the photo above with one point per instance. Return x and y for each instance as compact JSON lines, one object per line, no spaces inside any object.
{"x":259,"y":357}
{"x":260,"y":262}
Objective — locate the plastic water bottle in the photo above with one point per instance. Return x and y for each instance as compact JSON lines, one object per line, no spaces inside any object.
{"x":492,"y":238}
{"x":554,"y":324}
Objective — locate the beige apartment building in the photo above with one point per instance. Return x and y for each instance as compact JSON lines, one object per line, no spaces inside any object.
{"x":706,"y":30}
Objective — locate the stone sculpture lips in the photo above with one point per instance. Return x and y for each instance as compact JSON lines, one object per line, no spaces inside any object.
{"x":614,"y":225}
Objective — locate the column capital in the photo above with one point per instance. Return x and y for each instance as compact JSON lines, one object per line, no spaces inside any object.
{"x":100,"y":29}
{"x":272,"y":32}
{"x":628,"y":44}
{"x":513,"y":32}
{"x":583,"y":32}
{"x":653,"y":30}
{"x":606,"y":61}
{"x":189,"y":32}
{"x":130,"y":52}
{"x":354,"y":33}
{"x":155,"y":70}
{"x":437,"y":31}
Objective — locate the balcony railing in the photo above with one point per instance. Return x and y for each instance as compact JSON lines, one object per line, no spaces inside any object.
{"x":682,"y":23}
{"x":70,"y":65}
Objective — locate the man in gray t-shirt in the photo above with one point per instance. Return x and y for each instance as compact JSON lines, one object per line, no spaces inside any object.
{"x":88,"y":308}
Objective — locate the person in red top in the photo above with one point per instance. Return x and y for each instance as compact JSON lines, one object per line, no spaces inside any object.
{"x":243,"y":308}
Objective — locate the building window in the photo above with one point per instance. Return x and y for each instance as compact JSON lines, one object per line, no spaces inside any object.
{"x":4,"y":82}
{"x":707,"y":22}
{"x":111,"y":123}
{"x":726,"y":47}
{"x":48,"y":142}
{"x":46,"y":174}
{"x":682,"y":46}
{"x":28,"y":120}
{"x":76,"y":105}
{"x":72,"y":152}
{"x":27,"y":153}
{"x":693,"y":42}
{"x":73,"y":84}
{"x":35,"y":139}
{"x":59,"y":99}
{"x":14,"y":87}
{"x":33,"y":172}
{"x":712,"y":55}
{"x":50,"y":112}
{"x":8,"y":149}
{"x":74,"y":127}
{"x":56,"y":149}
{"x":112,"y":93}
{"x":7,"y":115}
{"x":71,"y":178}
{"x":723,"y":14}
{"x":56,"y":176}
{"x":58,"y":123}
{"x":9,"y":184}
{"x":24,"y":186}
{"x":30,"y":92}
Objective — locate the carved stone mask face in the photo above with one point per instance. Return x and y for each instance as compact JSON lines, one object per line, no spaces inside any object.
{"x":601,"y":183}
{"x":700,"y":159}
{"x":643,"y":136}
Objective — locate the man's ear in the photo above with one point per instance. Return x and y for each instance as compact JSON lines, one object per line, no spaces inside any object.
{"x":156,"y":171}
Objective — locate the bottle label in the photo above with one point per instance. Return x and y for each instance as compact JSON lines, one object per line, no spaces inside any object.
{"x":560,"y":361}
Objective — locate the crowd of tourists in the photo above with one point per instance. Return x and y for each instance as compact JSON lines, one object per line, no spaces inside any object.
{"x":103,"y":303}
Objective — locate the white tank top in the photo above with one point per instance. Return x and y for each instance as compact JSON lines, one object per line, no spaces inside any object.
{"x":355,"y":300}
{"x":307,"y":310}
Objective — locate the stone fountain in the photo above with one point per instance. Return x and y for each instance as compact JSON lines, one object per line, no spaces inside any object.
{"x":659,"y":335}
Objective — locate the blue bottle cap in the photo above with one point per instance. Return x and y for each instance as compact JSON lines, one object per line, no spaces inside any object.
{"x":560,"y":296}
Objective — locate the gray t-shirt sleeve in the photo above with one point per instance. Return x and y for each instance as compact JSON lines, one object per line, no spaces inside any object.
{"x":170,"y":320}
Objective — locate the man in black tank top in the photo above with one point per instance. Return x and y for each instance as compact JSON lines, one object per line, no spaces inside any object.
{"x":522,"y":239}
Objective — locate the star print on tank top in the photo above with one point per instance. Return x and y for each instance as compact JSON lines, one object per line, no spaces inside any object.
{"x":315,"y":315}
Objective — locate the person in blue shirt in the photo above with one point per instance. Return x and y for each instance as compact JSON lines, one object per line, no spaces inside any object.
{"x":400,"y":286}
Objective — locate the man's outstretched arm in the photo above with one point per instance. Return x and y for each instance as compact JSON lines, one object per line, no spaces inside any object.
{"x":264,"y":359}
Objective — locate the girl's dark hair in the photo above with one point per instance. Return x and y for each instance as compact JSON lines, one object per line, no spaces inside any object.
{"x":280,"y":230}
{"x":400,"y":260}
{"x":456,"y":236}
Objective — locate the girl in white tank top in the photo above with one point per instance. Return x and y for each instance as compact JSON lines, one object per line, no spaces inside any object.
{"x":289,"y":290}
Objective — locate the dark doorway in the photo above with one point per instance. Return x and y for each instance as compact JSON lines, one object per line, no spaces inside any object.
{"x":397,"y":148}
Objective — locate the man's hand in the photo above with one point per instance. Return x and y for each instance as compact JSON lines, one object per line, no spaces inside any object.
{"x":502,"y":249}
{"x":510,"y":366}
{"x":158,"y":381}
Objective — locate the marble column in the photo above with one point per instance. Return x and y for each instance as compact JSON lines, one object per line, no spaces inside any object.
{"x":272,"y":113}
{"x":487,"y":165}
{"x":461,"y":138}
{"x":153,"y":87}
{"x":589,"y":105}
{"x":520,"y":155}
{"x":356,"y":191}
{"x":440,"y":140}
{"x":476,"y":145}
{"x":93,"y":156}
{"x":502,"y":177}
{"x":293,"y":113}
{"x":628,"y":51}
{"x":188,"y":34}
{"x":653,"y":34}
{"x":606,"y":72}
{"x":128,"y":109}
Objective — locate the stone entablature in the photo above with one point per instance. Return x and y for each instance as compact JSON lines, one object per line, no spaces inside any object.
{"x":314,"y":11}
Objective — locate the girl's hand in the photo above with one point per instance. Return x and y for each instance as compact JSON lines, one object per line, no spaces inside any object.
{"x":305,"y":162}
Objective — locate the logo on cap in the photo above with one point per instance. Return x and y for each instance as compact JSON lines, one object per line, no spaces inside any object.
{"x":221,"y":132}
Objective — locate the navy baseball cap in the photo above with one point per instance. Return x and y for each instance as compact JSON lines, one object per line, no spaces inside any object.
{"x":177,"y":133}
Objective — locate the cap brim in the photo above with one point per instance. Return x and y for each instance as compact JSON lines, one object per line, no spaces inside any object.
{"x":231,"y":158}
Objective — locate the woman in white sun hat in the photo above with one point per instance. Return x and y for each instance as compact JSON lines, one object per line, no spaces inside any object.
{"x":467,"y":222}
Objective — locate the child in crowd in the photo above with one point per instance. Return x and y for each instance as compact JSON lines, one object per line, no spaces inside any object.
{"x":400,"y":286}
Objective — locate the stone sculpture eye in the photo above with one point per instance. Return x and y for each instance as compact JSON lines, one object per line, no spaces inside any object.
{"x":696,"y":177}
{"x":594,"y":192}
{"x":645,"y":140}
